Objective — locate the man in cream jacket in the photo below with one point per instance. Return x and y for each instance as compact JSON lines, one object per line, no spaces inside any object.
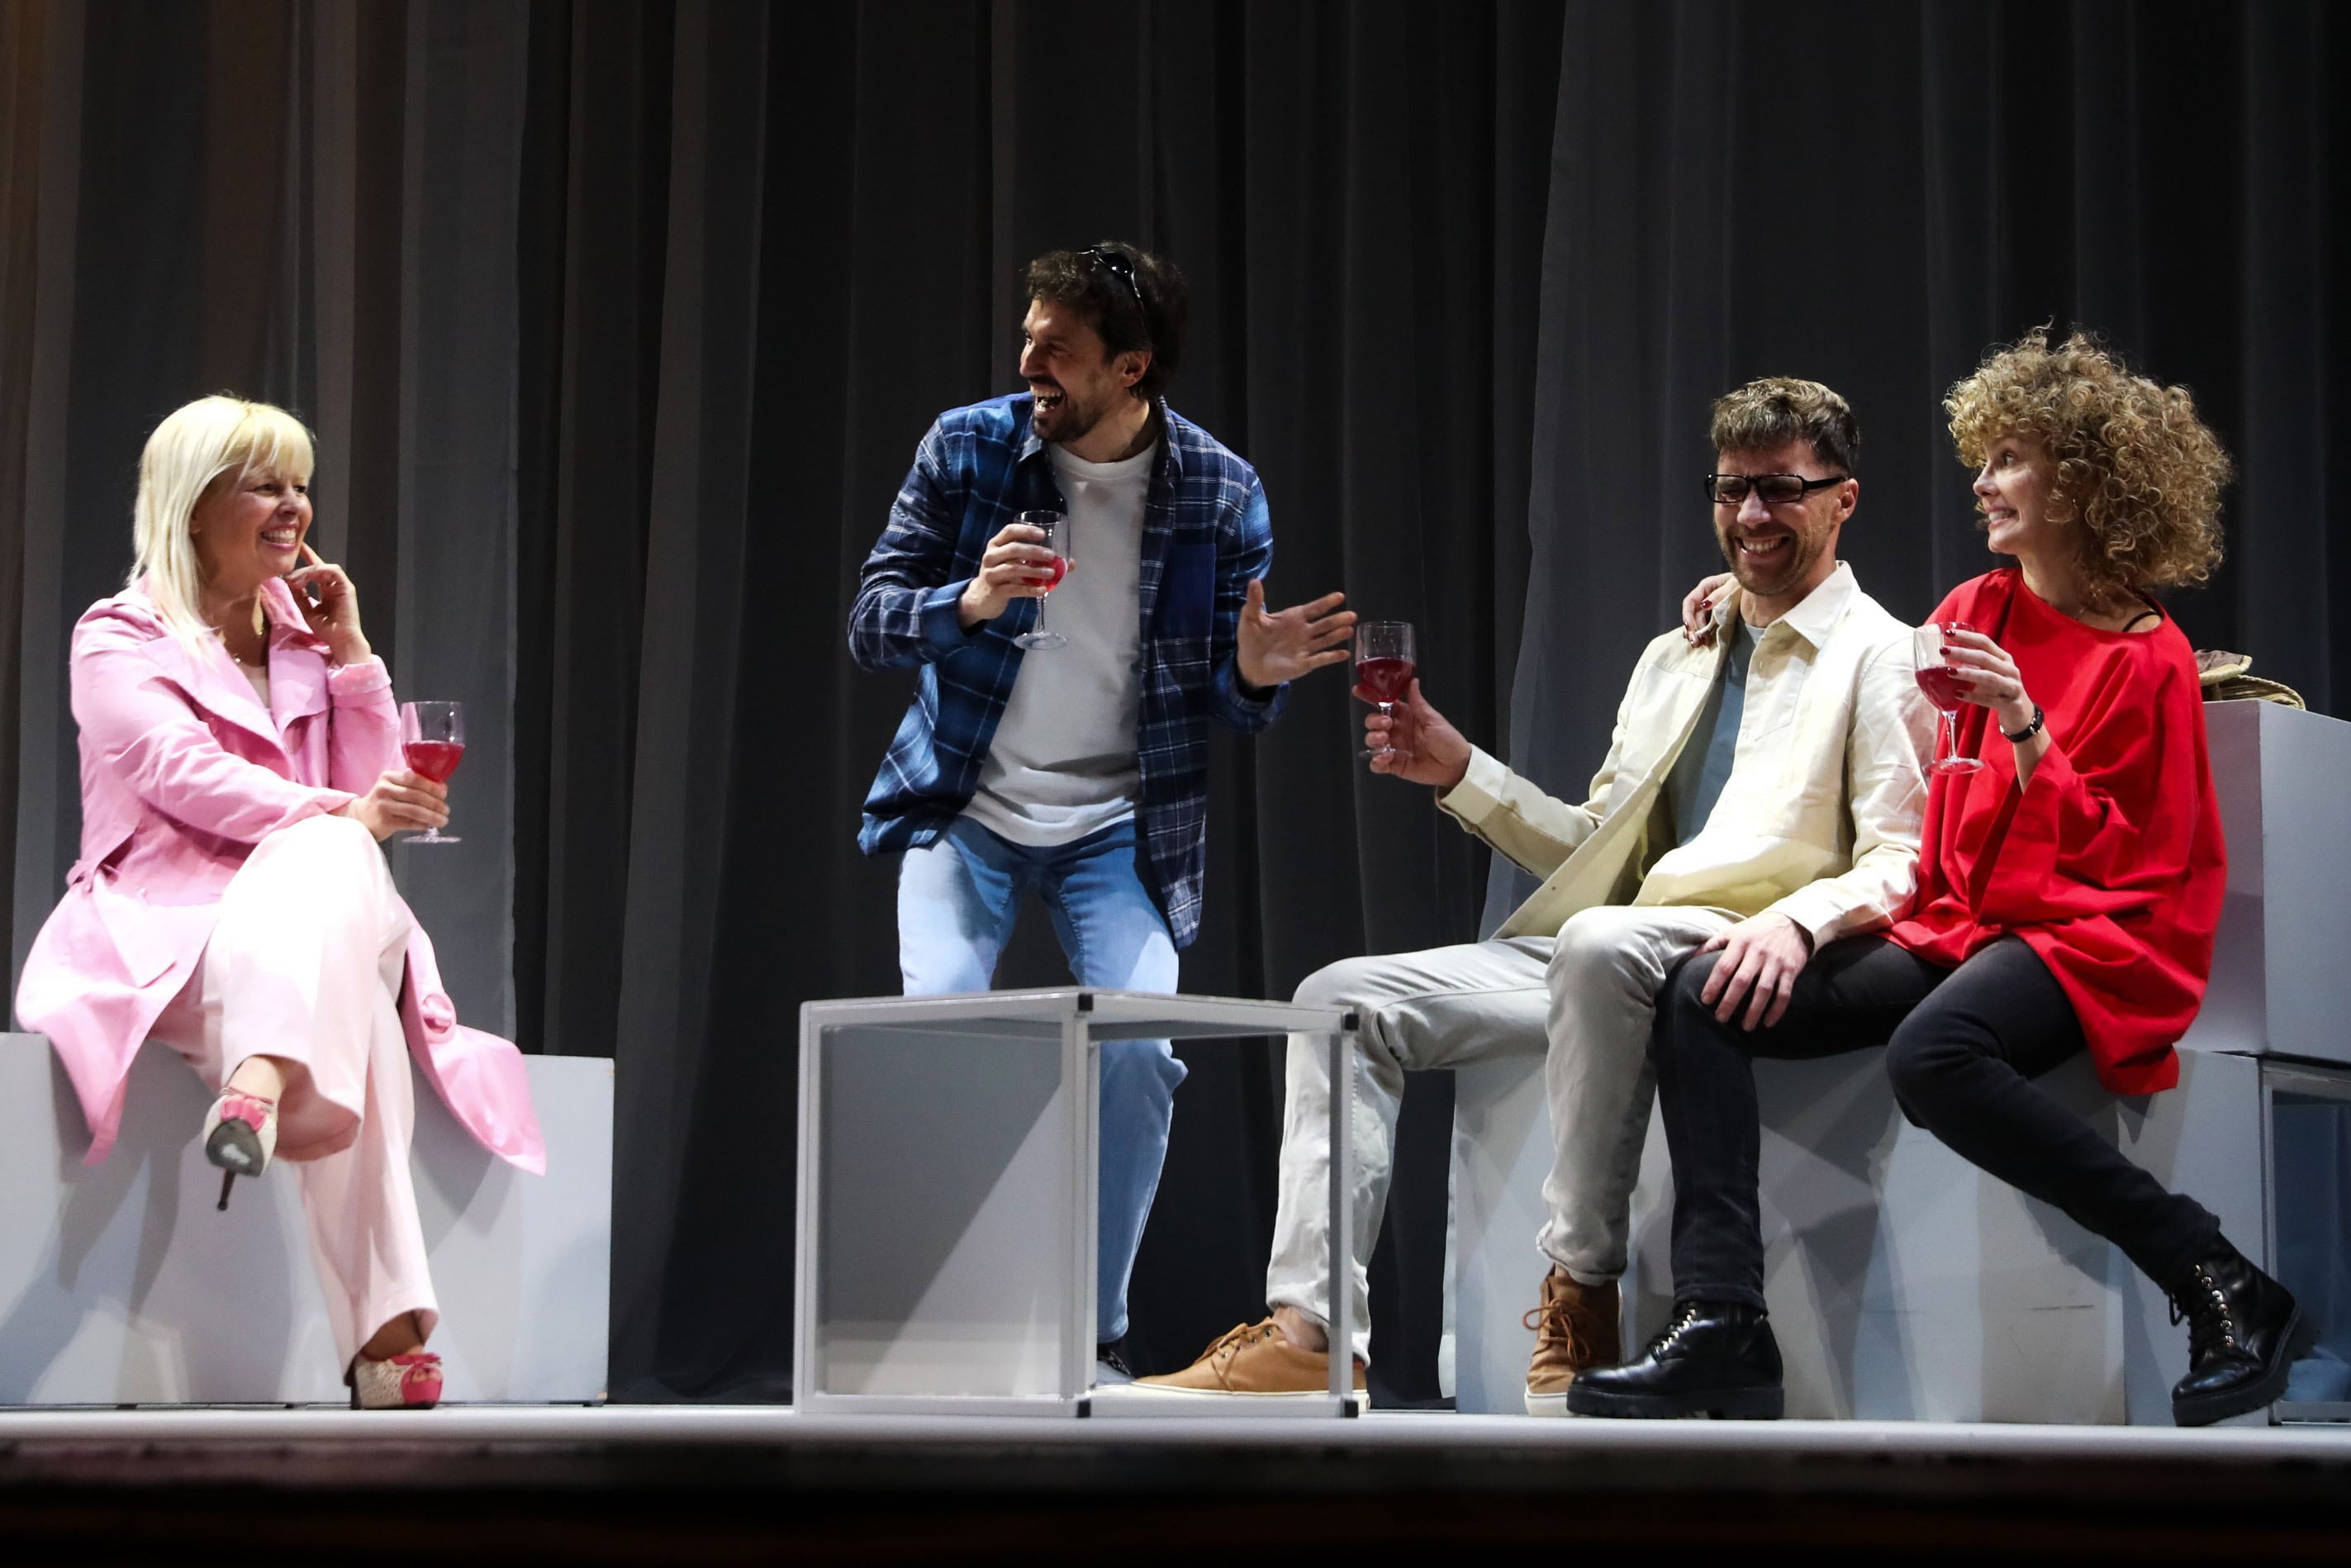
{"x":1761,"y":796}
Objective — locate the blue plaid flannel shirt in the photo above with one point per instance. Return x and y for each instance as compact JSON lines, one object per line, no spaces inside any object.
{"x":1205,"y":535}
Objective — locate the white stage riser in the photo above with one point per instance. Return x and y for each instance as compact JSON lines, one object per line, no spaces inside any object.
{"x":2280,"y":985}
{"x":1904,"y":1283}
{"x":120,"y":1284}
{"x":948,"y":1169}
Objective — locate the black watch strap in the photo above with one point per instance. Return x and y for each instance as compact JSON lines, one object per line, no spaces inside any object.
{"x":2029,"y":730}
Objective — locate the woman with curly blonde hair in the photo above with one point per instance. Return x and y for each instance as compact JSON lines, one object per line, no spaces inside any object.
{"x":2070,"y":880}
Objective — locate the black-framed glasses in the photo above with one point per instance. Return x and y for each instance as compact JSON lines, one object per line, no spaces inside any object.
{"x":1777,"y":489}
{"x":1118,"y":267}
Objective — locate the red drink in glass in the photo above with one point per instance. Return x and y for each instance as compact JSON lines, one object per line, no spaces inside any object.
{"x":1055,"y":527}
{"x":1387,"y":679}
{"x":436,"y":759}
{"x":1943,"y":688}
{"x":433,"y":740}
{"x":1386,"y":660}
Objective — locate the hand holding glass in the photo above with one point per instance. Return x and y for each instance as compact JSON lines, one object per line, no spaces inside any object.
{"x":1385,"y":666}
{"x":1946,"y":688}
{"x":433,"y":740}
{"x":1057,"y":539}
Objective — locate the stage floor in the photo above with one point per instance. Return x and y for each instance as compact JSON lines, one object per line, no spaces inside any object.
{"x":641,"y":1483}
{"x":1375,"y":1432}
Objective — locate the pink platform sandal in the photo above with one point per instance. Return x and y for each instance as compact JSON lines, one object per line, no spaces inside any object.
{"x":240,"y":1133}
{"x":409,"y":1381}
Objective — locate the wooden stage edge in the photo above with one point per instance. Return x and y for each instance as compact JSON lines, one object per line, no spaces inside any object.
{"x":637,"y":1484}
{"x":770,"y":1425}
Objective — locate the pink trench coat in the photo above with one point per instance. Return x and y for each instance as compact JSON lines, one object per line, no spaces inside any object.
{"x":182,"y":774}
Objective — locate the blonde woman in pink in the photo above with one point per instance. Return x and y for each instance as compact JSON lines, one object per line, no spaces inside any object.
{"x":240,"y":762}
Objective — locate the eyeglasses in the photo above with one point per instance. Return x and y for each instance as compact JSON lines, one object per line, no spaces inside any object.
{"x":1118,"y":267}
{"x":1777,"y":489}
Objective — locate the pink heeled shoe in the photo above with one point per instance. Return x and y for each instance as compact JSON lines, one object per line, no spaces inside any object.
{"x":409,"y":1381}
{"x":240,"y":1133}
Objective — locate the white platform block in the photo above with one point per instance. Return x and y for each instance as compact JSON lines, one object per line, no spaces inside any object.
{"x":1501,"y":1153}
{"x":2280,"y":984}
{"x":1904,"y":1283}
{"x":947,"y":1201}
{"x":120,"y":1284}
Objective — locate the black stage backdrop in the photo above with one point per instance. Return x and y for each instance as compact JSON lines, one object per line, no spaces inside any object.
{"x":620,"y":321}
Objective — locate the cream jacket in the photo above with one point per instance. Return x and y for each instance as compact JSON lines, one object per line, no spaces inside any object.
{"x":1818,"y":822}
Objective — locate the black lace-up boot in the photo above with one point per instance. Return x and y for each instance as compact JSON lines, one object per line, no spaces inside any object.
{"x":2243,"y":1332}
{"x":1714,"y":1358}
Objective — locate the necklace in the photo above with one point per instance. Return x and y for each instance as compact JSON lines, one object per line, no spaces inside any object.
{"x":261,"y":635}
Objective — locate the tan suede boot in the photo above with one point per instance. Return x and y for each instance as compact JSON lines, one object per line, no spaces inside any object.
{"x":1254,"y":1362}
{"x":1576,"y":1326}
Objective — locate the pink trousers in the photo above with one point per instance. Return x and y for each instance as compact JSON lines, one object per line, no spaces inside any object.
{"x":306,"y":966}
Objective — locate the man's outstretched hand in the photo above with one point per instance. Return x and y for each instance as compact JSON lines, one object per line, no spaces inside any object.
{"x":1414,"y":741}
{"x":1282,"y":646}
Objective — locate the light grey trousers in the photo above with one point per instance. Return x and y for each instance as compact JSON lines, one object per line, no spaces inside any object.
{"x":1584,"y":1000}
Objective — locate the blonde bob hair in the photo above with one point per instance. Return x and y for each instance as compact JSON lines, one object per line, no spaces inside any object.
{"x":2134,"y":465}
{"x":195,"y":445}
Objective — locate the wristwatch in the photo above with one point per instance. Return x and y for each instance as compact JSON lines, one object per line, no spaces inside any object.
{"x":2029,"y":730}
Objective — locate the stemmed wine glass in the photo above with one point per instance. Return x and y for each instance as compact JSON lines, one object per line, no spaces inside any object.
{"x":1057,"y":539}
{"x":1385,"y":667}
{"x":433,"y":740}
{"x":1944,"y":688}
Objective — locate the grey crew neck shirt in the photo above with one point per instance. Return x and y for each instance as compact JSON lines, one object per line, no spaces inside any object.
{"x":1700,"y":771}
{"x":1062,"y":764}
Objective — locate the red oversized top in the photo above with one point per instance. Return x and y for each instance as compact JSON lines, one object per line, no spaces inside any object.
{"x":2109,"y":863}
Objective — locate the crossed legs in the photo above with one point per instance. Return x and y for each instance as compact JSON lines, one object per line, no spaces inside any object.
{"x":296,"y":1000}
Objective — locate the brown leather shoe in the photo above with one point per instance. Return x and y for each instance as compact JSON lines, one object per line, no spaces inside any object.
{"x":1255,"y":1361}
{"x":1576,"y":1326}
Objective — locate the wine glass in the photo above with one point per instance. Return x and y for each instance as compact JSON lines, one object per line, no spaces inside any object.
{"x":1057,"y":539}
{"x":1385,"y":667}
{"x":433,"y":740}
{"x":1946,"y":690}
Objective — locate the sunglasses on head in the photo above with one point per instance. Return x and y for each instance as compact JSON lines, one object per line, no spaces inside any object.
{"x":1118,"y":267}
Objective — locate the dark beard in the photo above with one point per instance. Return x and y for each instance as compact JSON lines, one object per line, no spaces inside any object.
{"x":1065,"y":429}
{"x":1800,"y":561}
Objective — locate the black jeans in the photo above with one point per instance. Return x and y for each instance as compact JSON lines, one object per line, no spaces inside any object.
{"x":1963,"y":1047}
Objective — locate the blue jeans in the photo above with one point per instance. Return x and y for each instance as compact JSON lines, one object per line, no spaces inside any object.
{"x":957,"y":897}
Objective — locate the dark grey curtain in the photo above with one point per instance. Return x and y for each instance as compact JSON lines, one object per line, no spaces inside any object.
{"x":618,"y":322}
{"x":1872,"y":196}
{"x":842,"y":203}
{"x":313,"y":206}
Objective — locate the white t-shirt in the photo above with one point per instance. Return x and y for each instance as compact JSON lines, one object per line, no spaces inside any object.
{"x":1063,"y":763}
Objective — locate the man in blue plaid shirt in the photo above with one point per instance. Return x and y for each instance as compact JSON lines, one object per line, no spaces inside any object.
{"x":1070,"y":759}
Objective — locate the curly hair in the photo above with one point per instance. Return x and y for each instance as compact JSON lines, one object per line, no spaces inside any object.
{"x":2133,"y":462}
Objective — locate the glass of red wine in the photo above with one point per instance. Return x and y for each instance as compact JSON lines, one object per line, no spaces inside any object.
{"x":1057,"y":539}
{"x":1383,"y":667}
{"x":1946,"y":689}
{"x":433,"y":740}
